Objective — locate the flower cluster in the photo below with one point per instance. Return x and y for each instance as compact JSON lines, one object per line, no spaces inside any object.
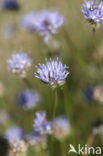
{"x":45,"y":22}
{"x":41,"y":125}
{"x":53,"y":73}
{"x":93,"y":11}
{"x":28,"y":99}
{"x":19,"y":63}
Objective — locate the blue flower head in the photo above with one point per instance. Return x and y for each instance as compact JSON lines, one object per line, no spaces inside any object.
{"x":19,"y":63}
{"x":53,"y":73}
{"x":93,"y":11}
{"x":14,"y":134}
{"x":28,"y":99}
{"x":49,"y":22}
{"x":10,"y":5}
{"x":41,"y":125}
{"x":45,"y":22}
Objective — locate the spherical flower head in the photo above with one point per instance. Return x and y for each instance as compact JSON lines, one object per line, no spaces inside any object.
{"x":93,"y":11}
{"x":14,"y":134}
{"x":53,"y":73}
{"x":10,"y":5}
{"x":19,"y":63}
{"x":61,"y":127}
{"x":49,"y":22}
{"x":28,"y":99}
{"x":45,"y":22}
{"x":41,"y":125}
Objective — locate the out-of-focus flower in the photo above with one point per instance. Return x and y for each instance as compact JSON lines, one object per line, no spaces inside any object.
{"x":93,"y":11}
{"x":2,"y":89}
{"x":37,"y":141}
{"x":19,"y":63}
{"x":95,"y":93}
{"x":30,"y":20}
{"x":28,"y":99}
{"x":89,"y":93}
{"x":4,"y":116}
{"x":61,"y":127}
{"x":45,"y":22}
{"x":15,"y":133}
{"x":98,"y":127}
{"x":48,"y":23}
{"x":17,"y":147}
{"x":10,"y":5}
{"x":53,"y":73}
{"x":15,"y":136}
{"x":98,"y":130}
{"x":41,"y":125}
{"x":98,"y":93}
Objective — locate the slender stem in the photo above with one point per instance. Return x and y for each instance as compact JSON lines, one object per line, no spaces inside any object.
{"x":55,"y":104}
{"x":96,"y":50}
{"x":54,"y":113}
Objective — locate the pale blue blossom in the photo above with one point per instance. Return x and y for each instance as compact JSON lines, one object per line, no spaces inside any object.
{"x":41,"y":125}
{"x":28,"y":99}
{"x":53,"y":73}
{"x":93,"y":11}
{"x":19,"y":62}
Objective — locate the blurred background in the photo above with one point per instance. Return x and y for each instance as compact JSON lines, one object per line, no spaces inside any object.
{"x":80,"y":99}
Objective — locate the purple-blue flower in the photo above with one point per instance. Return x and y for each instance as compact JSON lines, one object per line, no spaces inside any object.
{"x":14,"y":134}
{"x":19,"y":62}
{"x":45,"y":22}
{"x":41,"y":125}
{"x":10,"y":5}
{"x":28,"y":99}
{"x":88,"y":92}
{"x":49,"y":22}
{"x":53,"y":73}
{"x":61,"y":127}
{"x":15,"y":137}
{"x":93,"y":11}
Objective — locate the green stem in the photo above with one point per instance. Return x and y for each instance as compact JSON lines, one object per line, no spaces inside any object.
{"x":95,"y":47}
{"x":54,"y":113}
{"x":55,"y":104}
